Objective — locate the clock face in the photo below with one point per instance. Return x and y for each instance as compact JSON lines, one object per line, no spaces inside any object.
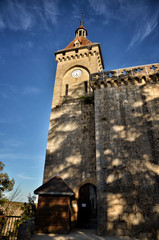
{"x":76,"y":73}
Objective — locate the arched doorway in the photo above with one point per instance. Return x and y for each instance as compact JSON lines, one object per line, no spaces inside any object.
{"x":87,"y":206}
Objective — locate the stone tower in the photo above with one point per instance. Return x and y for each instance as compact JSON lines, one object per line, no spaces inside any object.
{"x":71,"y":146}
{"x":70,"y":150}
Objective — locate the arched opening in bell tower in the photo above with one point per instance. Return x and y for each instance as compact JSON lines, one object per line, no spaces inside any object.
{"x":87,"y":206}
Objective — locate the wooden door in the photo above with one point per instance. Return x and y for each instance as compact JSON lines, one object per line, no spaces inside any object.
{"x":87,"y":206}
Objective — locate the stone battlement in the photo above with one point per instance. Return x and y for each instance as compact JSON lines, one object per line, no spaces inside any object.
{"x":124,"y":76}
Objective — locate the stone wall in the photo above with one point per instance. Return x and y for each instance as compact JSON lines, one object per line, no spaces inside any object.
{"x":127,"y":160}
{"x":26,"y":230}
{"x":71,"y":143}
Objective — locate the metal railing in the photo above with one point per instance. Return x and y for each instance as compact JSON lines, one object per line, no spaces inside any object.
{"x":9,"y":227}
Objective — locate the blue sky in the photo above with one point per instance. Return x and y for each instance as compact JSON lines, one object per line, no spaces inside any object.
{"x":30,"y":32}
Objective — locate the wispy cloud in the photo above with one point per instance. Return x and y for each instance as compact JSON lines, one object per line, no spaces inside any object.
{"x":11,"y":143}
{"x":2,"y":60}
{"x":2,"y":24}
{"x":9,"y":155}
{"x":7,"y":90}
{"x":18,"y":17}
{"x":25,"y":177}
{"x":24,"y":15}
{"x":31,"y":90}
{"x":140,"y":16}
{"x":144,"y":29}
{"x":51,"y":11}
{"x":100,"y":6}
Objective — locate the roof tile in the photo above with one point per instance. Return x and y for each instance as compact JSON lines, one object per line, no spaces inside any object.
{"x":83,"y":42}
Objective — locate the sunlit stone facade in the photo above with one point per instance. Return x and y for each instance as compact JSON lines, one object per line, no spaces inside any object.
{"x":104,"y":131}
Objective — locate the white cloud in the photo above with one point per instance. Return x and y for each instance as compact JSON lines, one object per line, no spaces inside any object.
{"x":8,"y":155}
{"x":100,"y":6}
{"x":31,"y":90}
{"x":24,"y":15}
{"x":145,"y":27}
{"x":11,"y":143}
{"x":2,"y":60}
{"x":18,"y":16}
{"x":8,"y":90}
{"x":51,"y":10}
{"x":25,"y":177}
{"x":2,"y":25}
{"x":140,"y":18}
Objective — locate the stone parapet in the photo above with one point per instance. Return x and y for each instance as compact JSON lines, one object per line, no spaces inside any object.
{"x":124,"y":76}
{"x":80,"y":53}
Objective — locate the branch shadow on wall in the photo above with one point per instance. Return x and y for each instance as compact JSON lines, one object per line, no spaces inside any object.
{"x":128,"y":166}
{"x":71,"y":141}
{"x":71,"y":144}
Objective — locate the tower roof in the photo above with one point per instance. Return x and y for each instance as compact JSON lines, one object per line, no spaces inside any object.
{"x":83,"y":41}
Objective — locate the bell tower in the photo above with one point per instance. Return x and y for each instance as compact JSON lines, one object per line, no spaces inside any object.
{"x":67,"y":146}
{"x":70,"y":153}
{"x":74,"y":65}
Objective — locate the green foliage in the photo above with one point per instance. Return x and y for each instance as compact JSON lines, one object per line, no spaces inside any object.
{"x":86,"y":99}
{"x":29,"y":209}
{"x":5,"y":183}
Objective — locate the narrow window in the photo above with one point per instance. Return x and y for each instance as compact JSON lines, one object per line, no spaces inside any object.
{"x":153,"y":67}
{"x":86,"y":86}
{"x":80,"y":33}
{"x":66,"y":90}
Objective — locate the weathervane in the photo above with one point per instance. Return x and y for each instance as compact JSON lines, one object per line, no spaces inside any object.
{"x":82,"y":17}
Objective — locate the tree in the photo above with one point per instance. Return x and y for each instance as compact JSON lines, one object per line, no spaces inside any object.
{"x":5,"y":183}
{"x":29,"y":209}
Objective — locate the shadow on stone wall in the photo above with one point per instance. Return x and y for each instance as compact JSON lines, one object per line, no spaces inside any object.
{"x":71,"y":142}
{"x":127,"y":136}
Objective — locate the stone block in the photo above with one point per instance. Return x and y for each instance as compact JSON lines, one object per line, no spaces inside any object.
{"x":114,"y":212}
{"x":26,"y":230}
{"x":109,"y":226}
{"x":143,"y":236}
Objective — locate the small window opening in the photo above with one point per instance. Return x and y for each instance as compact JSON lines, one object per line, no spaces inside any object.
{"x":66,"y":90}
{"x":124,"y":72}
{"x":76,"y":50}
{"x":63,"y":53}
{"x":153,"y":67}
{"x":138,"y":70}
{"x":110,"y":74}
{"x":80,"y":33}
{"x":86,"y":86}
